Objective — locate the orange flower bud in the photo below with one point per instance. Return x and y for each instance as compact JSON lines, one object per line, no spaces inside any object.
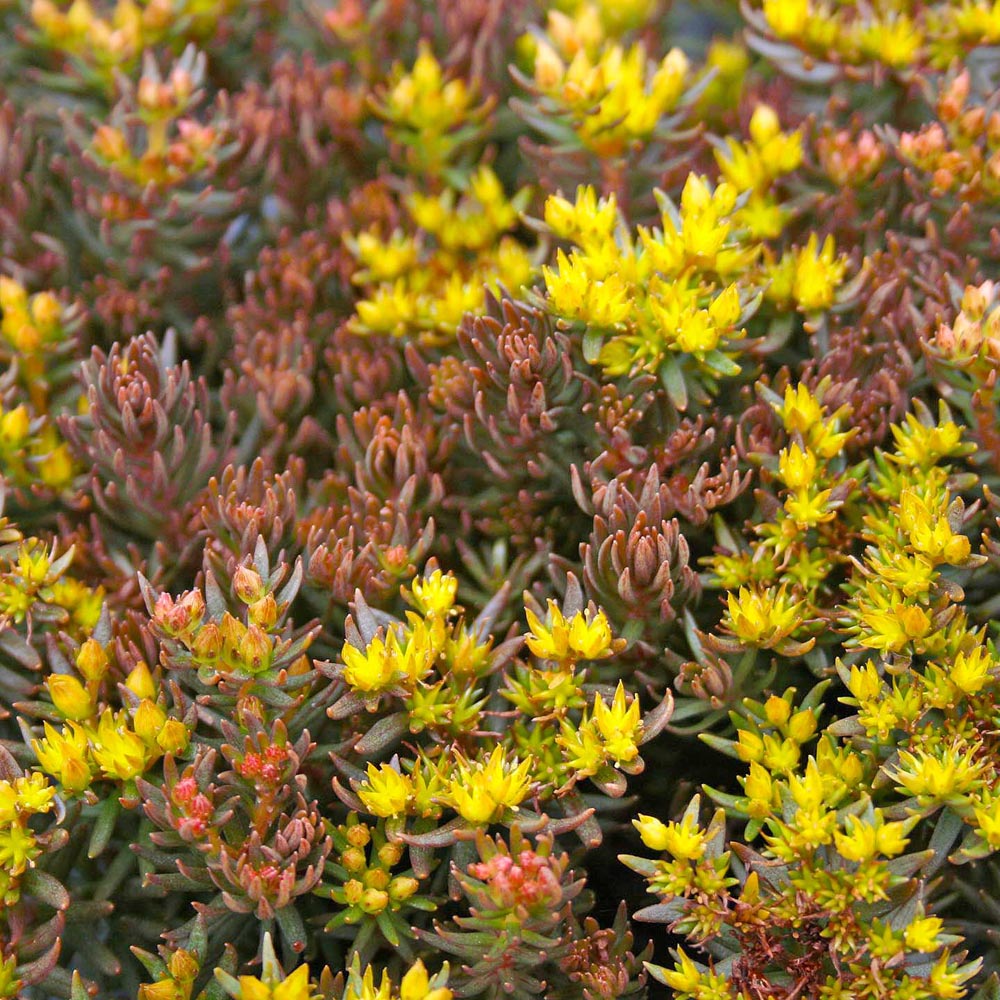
{"x":248,"y":585}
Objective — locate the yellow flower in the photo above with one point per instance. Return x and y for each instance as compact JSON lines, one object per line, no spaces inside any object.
{"x":946,"y":981}
{"x":34,"y":793}
{"x":57,"y":468}
{"x":930,"y":533}
{"x":923,"y":447}
{"x":787,"y":18}
{"x":971,"y":672}
{"x":13,"y":297}
{"x":293,"y":987}
{"x":386,"y":791}
{"x":685,"y":840}
{"x":862,"y":840}
{"x":619,"y":725}
{"x":941,"y":774}
{"x":64,"y":756}
{"x":817,"y":274}
{"x":18,"y":849}
{"x":988,"y":822}
{"x":576,"y":293}
{"x":435,"y":594}
{"x":654,"y":832}
{"x":585,"y":636}
{"x":807,"y":509}
{"x":8,"y":803}
{"x":780,"y":756}
{"x":366,"y":989}
{"x":118,"y":751}
{"x":892,"y":628}
{"x":922,"y":934}
{"x":586,"y":221}
{"x":797,"y":467}
{"x":896,"y":41}
{"x":374,"y":668}
{"x":590,"y":635}
{"x":685,"y":977}
{"x":762,"y":617}
{"x":801,"y":410}
{"x":416,"y":985}
{"x":389,"y":308}
{"x":759,"y":789}
{"x":482,"y":792}
{"x":584,"y":750}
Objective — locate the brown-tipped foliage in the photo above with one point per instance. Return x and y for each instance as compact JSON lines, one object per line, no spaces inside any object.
{"x":636,"y":561}
{"x":146,"y":437}
{"x":516,"y":395}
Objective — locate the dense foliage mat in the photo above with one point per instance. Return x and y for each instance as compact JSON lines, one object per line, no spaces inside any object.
{"x":500,"y":499}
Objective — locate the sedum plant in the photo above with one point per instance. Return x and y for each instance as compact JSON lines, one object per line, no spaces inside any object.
{"x":499,"y":500}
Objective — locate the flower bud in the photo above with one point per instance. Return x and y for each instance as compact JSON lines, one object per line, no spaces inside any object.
{"x":247,"y":584}
{"x":92,"y":661}
{"x":74,"y":775}
{"x":232,"y":631}
{"x":14,"y":425}
{"x":207,"y":643}
{"x":173,"y":737}
{"x":148,"y":721}
{"x":358,"y":835}
{"x":255,"y":650}
{"x":764,"y":124}
{"x":46,"y":310}
{"x":390,"y":854}
{"x":183,"y":965}
{"x":13,"y":297}
{"x":353,"y":891}
{"x":374,"y":901}
{"x":165,"y":989}
{"x":69,"y":696}
{"x":376,"y":878}
{"x":148,"y":93}
{"x":549,"y":68}
{"x":777,"y":710}
{"x":248,"y":707}
{"x":177,"y":617}
{"x":110,"y":144}
{"x":654,"y":832}
{"x":140,"y":681}
{"x":264,"y":612}
{"x":749,"y":746}
{"x":353,"y":859}
{"x":403,"y":887}
{"x":802,"y":725}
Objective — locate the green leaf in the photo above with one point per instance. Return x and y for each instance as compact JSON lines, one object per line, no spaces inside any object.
{"x":672,"y":379}
{"x":104,"y":827}
{"x":593,"y":341}
{"x":293,"y":930}
{"x":47,"y":888}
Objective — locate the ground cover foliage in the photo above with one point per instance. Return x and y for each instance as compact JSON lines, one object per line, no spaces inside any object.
{"x":500,"y":499}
